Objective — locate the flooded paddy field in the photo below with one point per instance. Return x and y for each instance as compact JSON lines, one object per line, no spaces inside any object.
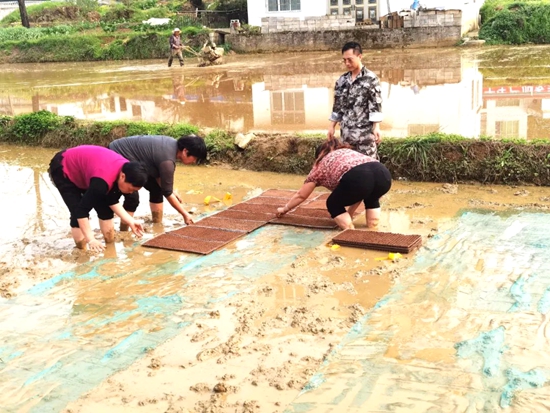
{"x":277,"y":321}
{"x":501,"y":92}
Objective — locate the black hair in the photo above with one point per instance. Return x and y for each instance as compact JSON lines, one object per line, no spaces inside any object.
{"x":357,"y":50}
{"x":327,"y":147}
{"x":135,"y":173}
{"x":195,"y":146}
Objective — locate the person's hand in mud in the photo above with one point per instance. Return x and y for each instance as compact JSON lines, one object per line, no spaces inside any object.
{"x":96,"y":246}
{"x":188,"y":219}
{"x":136,"y":228}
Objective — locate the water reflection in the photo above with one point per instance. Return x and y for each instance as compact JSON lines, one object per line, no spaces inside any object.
{"x":500,"y":92}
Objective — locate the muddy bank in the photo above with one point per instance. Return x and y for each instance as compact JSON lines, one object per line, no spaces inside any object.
{"x":434,"y":157}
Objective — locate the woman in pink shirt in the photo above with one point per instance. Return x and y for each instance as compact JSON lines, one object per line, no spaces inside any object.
{"x":352,"y":177}
{"x":93,"y":177}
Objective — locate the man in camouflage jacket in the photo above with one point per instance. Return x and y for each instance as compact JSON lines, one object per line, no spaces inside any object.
{"x":357,"y":104}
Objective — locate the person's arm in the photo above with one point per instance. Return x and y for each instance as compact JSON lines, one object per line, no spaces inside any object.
{"x":375,"y":108}
{"x":337,"y":109}
{"x":299,"y":197}
{"x":173,"y":200}
{"x":331,"y":130}
{"x":166,"y":182}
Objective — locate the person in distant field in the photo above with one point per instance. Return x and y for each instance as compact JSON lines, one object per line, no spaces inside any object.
{"x":176,"y":47}
{"x":352,"y":177}
{"x":93,"y":177}
{"x":159,"y":154}
{"x":357,"y":104}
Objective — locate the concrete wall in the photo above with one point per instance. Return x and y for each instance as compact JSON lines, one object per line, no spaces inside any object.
{"x":257,"y":9}
{"x":437,"y":36}
{"x":320,"y":23}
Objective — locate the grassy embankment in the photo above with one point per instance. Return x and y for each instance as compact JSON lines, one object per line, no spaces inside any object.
{"x":85,"y":31}
{"x":515,"y":22}
{"x":431,"y":158}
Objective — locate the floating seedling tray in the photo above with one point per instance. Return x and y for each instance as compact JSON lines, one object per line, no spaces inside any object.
{"x":230,"y":224}
{"x":381,"y":241}
{"x":304,"y":221}
{"x":184,"y":244}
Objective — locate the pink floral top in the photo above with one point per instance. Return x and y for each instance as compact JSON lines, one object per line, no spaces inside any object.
{"x":334,"y":165}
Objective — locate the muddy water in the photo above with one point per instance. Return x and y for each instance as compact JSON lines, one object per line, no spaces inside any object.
{"x":495,"y":91}
{"x":276,"y":311}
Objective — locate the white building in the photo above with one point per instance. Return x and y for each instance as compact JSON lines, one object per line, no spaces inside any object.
{"x":360,"y":10}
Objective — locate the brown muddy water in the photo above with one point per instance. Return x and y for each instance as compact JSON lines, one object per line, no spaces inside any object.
{"x":494,"y":91}
{"x":276,"y":321}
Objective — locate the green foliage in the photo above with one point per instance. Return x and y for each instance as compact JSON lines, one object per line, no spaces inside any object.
{"x":145,"y":4}
{"x":516,"y":23}
{"x":219,"y":141}
{"x":251,"y":30}
{"x":31,"y":128}
{"x":32,"y":12}
{"x":116,"y":14}
{"x":85,"y":5}
{"x":491,"y":8}
{"x":230,"y":5}
{"x":22,"y":33}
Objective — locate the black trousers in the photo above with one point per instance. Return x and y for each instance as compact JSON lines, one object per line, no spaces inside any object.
{"x":366,"y":182}
{"x":131,"y":201}
{"x":71,"y":194}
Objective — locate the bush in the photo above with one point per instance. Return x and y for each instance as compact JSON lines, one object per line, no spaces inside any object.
{"x":517,"y":23}
{"x":31,"y":128}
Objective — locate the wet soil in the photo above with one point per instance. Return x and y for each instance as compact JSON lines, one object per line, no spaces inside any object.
{"x":255,"y":351}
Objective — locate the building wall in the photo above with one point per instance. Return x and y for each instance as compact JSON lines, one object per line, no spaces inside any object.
{"x":309,"y":8}
{"x":412,"y":37}
{"x":320,"y":23}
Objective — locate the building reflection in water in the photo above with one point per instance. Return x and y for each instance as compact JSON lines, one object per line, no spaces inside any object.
{"x":446,"y":95}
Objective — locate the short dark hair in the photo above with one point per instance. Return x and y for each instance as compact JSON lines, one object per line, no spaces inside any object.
{"x":357,"y":50}
{"x":195,"y":146}
{"x":135,"y":173}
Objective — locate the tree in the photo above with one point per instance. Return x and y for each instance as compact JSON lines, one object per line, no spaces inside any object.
{"x":23,"y":13}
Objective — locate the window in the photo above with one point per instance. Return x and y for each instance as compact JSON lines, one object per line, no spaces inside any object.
{"x":283,"y":5}
{"x":347,"y":11}
{"x":334,"y":3}
{"x":507,"y":129}
{"x":346,"y":2}
{"x":334,"y":12}
{"x":359,"y":2}
{"x":372,"y":13}
{"x":287,"y":108}
{"x":123,"y":107}
{"x":359,"y":15}
{"x":136,"y":110}
{"x":372,"y":1}
{"x":507,"y":102}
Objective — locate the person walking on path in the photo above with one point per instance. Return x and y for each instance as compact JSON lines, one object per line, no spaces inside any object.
{"x":357,"y":104}
{"x":159,"y":155}
{"x":93,"y":177}
{"x":352,"y":177}
{"x":176,"y":47}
